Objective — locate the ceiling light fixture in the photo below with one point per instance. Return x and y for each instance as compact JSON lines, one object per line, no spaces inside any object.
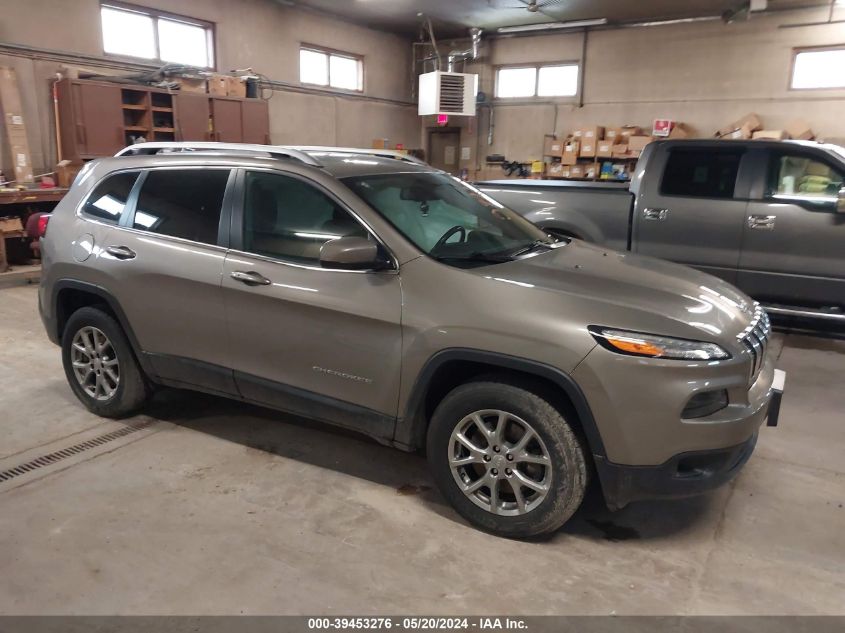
{"x":548,"y":26}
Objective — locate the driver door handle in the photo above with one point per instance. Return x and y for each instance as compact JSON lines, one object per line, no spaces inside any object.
{"x":250,"y":278}
{"x":762,"y":222}
{"x":655,"y":214}
{"x":120,"y":252}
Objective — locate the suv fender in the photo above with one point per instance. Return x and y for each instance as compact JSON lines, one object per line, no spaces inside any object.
{"x":412,"y":426}
{"x":57,"y":319}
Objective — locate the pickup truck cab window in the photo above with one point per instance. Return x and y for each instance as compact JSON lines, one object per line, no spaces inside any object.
{"x":798,"y":178}
{"x":287,"y":218}
{"x":701,"y":173}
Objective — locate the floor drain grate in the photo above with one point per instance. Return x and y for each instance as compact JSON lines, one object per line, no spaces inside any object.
{"x":57,"y":456}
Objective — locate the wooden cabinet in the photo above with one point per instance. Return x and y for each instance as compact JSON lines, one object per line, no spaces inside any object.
{"x":99,"y":119}
{"x":91,"y":119}
{"x":193,"y":114}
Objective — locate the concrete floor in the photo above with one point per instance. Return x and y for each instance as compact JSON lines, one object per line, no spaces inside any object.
{"x":220,"y":508}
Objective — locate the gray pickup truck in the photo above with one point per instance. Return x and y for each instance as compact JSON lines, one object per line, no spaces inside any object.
{"x":767,"y":216}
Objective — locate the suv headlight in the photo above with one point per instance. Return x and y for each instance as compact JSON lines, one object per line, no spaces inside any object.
{"x":654,"y":346}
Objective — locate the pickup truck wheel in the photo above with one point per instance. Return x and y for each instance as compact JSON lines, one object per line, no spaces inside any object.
{"x":100,"y":365}
{"x":506,"y":459}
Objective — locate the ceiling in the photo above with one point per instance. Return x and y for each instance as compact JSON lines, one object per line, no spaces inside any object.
{"x":452,"y":17}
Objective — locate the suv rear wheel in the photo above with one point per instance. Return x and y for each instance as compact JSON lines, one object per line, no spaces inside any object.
{"x":506,"y":459}
{"x":100,"y":366}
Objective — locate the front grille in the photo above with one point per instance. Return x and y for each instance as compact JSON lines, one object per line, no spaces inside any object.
{"x":755,"y":339}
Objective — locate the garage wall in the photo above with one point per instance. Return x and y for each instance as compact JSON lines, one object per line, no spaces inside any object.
{"x":262,"y":34}
{"x":705,"y":74}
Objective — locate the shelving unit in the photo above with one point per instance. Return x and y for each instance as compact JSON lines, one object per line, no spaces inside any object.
{"x":148,"y":114}
{"x":98,"y":118}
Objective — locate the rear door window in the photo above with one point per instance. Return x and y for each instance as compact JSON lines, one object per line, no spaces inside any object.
{"x":184,"y":203}
{"x":706,"y":173}
{"x":108,"y":200}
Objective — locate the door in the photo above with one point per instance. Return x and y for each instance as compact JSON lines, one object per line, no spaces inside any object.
{"x":794,"y":240}
{"x":228,"y":122}
{"x":164,"y":265}
{"x":192,"y":117}
{"x":256,"y":121}
{"x":691,"y":209}
{"x":319,"y":342}
{"x":98,"y":117}
{"x":444,"y":149}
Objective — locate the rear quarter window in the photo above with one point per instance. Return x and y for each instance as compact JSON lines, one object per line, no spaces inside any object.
{"x":107,"y":201}
{"x":706,"y":173}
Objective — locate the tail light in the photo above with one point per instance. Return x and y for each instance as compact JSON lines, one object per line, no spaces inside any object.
{"x":43,"y":221}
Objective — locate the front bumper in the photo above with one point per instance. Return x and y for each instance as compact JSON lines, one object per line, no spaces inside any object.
{"x":683,"y":475}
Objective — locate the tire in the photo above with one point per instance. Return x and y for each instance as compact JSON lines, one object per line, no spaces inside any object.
{"x":116,"y":398}
{"x":564,"y":473}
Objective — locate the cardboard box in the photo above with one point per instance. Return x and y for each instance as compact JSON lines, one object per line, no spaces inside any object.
{"x":604,"y":149}
{"x":638,"y":143}
{"x":630,"y":130}
{"x":620,"y":151}
{"x":235,"y":87}
{"x":10,"y":225}
{"x":774,"y":135}
{"x":552,"y":147}
{"x":554,"y":170}
{"x":576,"y":171}
{"x":66,"y":172}
{"x":594,"y":133}
{"x":193,"y":85}
{"x":613,"y":133}
{"x":634,"y":153}
{"x":800,"y":130}
{"x":588,"y":148}
{"x":679,"y":131}
{"x":565,"y":171}
{"x":741,"y":128}
{"x":570,"y":153}
{"x":592,"y":170}
{"x":16,"y":136}
{"x":218,"y":85}
{"x":381,"y":143}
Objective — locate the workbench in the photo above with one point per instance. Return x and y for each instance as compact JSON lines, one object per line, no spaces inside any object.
{"x":21,"y":203}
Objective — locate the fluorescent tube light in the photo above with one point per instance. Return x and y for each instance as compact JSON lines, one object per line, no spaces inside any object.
{"x":547,"y":26}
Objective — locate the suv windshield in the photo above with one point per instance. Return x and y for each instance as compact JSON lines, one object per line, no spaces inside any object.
{"x":447,"y":218}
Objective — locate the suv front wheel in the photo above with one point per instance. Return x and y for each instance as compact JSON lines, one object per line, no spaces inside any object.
{"x":506,"y":459}
{"x":100,"y":366}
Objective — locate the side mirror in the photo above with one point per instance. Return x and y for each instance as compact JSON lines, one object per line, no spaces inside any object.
{"x":840,"y":201}
{"x":351,"y":253}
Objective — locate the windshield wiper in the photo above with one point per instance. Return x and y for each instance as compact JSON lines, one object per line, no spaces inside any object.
{"x":474,"y":257}
{"x":530,"y":247}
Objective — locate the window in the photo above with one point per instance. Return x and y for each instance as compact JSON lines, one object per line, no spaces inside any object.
{"x":447,"y":218}
{"x":182,"y":203}
{"x":108,"y":200}
{"x":157,"y":36}
{"x":813,"y":69}
{"x":799,"y":178}
{"x":287,"y":218}
{"x":327,"y":68}
{"x":701,"y":173}
{"x":559,"y":80}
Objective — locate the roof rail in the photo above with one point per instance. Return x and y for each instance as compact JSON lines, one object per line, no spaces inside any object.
{"x":382,"y":153}
{"x":168,"y":147}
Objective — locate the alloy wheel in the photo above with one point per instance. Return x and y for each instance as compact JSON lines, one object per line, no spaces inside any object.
{"x":95,"y":363}
{"x":500,"y":462}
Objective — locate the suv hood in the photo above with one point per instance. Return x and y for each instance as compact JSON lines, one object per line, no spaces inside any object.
{"x":635,"y":284}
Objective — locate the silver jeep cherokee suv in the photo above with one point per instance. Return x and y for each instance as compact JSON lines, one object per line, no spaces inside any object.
{"x":371,"y":291}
